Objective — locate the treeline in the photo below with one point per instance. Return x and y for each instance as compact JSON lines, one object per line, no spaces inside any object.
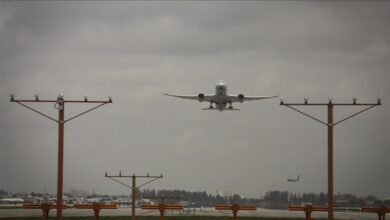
{"x":194,"y":199}
{"x":273,"y":199}
{"x":281,"y":199}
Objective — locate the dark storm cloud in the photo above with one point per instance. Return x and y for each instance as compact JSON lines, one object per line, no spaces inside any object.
{"x":137,"y":50}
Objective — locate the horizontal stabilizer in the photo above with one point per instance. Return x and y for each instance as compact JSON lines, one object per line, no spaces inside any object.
{"x":232,"y":109}
{"x":226,"y":109}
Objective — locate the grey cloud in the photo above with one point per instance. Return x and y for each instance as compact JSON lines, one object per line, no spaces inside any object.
{"x":135,"y":51}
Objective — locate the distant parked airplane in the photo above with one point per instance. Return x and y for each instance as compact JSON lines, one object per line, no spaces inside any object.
{"x":293,"y":180}
{"x":220,"y":98}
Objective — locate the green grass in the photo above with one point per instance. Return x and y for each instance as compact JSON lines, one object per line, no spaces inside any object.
{"x":156,"y":218}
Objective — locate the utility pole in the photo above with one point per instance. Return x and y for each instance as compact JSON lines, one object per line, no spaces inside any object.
{"x":330,"y":124}
{"x":133,"y":186}
{"x":162,"y":206}
{"x":59,"y":104}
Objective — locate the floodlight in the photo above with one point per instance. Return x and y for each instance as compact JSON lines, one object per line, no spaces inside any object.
{"x":306,"y":100}
{"x":36,"y":97}
{"x":354,"y":100}
{"x":60,"y":97}
{"x":85,"y":98}
{"x":12,"y":96}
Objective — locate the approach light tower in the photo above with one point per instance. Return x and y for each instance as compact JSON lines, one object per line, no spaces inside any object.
{"x":330,"y":124}
{"x":59,"y":104}
{"x":133,"y":186}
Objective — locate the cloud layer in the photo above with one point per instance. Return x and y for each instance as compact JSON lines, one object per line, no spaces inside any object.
{"x":135,"y":51}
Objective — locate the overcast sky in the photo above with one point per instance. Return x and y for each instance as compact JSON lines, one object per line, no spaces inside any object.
{"x":135,"y":51}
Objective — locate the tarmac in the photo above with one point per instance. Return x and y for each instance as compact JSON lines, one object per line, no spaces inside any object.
{"x":187,"y":212}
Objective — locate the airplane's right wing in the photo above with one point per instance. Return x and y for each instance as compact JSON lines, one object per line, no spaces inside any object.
{"x":200,"y":97}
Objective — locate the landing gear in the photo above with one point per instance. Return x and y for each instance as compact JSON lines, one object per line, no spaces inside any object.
{"x":211,"y":105}
{"x":230,"y":106}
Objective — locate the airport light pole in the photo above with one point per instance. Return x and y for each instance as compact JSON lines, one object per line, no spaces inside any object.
{"x":133,"y":186}
{"x":330,"y":124}
{"x":59,"y":104}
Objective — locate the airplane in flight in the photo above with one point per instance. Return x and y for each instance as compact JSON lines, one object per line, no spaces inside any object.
{"x":221,"y":98}
{"x":294,"y":180}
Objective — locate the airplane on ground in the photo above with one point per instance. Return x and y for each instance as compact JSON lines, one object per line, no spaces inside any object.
{"x":294,"y":180}
{"x":220,"y":98}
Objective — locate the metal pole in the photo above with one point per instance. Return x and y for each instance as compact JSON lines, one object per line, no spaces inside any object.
{"x":235,"y":210}
{"x":161,"y":209}
{"x":330,"y":161}
{"x":330,"y":126}
{"x":61,"y":111}
{"x":133,"y":189}
{"x":96,"y":214}
{"x":60,"y":105}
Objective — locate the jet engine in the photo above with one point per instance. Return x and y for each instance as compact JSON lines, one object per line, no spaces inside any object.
{"x":200,"y":97}
{"x":241,"y":97}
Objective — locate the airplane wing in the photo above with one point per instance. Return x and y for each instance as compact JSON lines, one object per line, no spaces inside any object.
{"x":241,"y":98}
{"x":200,"y":97}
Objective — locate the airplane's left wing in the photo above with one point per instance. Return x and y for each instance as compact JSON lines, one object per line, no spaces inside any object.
{"x":241,"y":98}
{"x":200,"y":97}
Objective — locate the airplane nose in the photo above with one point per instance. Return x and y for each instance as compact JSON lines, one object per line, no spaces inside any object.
{"x":221,"y":82}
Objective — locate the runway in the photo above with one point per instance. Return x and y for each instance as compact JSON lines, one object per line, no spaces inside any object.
{"x":191,"y":212}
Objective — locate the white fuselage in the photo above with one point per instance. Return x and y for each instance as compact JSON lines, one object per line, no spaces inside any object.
{"x":221,"y":98}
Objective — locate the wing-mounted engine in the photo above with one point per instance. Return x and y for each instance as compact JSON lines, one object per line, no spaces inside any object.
{"x":241,"y":97}
{"x":201,"y":97}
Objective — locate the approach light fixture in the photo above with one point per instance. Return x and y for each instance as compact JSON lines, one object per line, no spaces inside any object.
{"x":354,"y":100}
{"x":60,"y":97}
{"x":109,"y":98}
{"x":379,"y":100}
{"x":12,"y":96}
{"x":306,"y":100}
{"x":85,"y":98}
{"x":281,"y":100}
{"x":330,"y":100}
{"x":36,"y":97}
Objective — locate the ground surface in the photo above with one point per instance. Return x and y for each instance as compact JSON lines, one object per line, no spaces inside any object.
{"x":187,"y":214}
{"x":156,"y":218}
